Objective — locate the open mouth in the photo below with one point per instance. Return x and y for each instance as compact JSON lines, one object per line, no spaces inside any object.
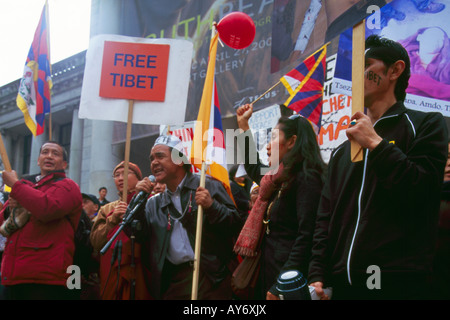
{"x":156,"y":171}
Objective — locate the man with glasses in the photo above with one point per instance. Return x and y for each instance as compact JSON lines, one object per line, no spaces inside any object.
{"x":115,"y":281}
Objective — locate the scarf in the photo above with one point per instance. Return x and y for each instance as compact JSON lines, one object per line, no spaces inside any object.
{"x":17,"y":219}
{"x":248,"y":240}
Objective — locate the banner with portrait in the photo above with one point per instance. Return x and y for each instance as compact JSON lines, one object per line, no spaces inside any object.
{"x":423,"y":28}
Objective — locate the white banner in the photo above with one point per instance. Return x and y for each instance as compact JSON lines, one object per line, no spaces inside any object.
{"x":169,"y":112}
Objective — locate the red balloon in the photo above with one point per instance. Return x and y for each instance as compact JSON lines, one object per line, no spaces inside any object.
{"x":237,"y":30}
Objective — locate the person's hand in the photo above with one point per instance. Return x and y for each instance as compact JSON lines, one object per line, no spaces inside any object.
{"x":361,"y":130}
{"x":318,"y":287}
{"x":271,"y":296}
{"x":145,"y":185}
{"x":13,"y":203}
{"x":10,"y":178}
{"x":243,"y":114}
{"x":203,"y":198}
{"x":119,"y":212}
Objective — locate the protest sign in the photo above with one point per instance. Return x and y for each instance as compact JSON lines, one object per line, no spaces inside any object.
{"x":136,"y":71}
{"x":131,"y":82}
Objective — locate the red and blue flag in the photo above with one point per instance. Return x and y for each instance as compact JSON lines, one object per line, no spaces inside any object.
{"x":33,"y":98}
{"x":305,"y":86}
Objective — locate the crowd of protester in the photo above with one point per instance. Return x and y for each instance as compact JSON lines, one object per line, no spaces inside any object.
{"x":332,"y":222}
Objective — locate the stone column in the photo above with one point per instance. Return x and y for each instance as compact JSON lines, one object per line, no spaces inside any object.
{"x":76,"y":145}
{"x":102,"y":159}
{"x":104,"y":16}
{"x":36,"y":144}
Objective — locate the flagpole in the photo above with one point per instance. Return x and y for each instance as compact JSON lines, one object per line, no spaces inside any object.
{"x":358,"y":81}
{"x":271,"y":88}
{"x":198,"y":236}
{"x":47,"y":22}
{"x":198,"y":239}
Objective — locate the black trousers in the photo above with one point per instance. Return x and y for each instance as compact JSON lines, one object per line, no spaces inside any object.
{"x":177,"y":284}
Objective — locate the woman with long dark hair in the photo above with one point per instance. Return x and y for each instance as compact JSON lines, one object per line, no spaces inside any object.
{"x":285,"y":211}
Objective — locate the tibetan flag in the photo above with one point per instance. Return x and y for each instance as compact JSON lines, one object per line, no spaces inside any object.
{"x":305,"y":86}
{"x":33,"y":98}
{"x":208,"y":143}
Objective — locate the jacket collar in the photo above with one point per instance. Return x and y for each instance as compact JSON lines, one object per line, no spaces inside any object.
{"x":397,"y":109}
{"x":38,"y":179}
{"x":190,"y":184}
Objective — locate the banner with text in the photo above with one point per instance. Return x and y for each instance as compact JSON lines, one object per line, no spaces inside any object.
{"x":154,"y":72}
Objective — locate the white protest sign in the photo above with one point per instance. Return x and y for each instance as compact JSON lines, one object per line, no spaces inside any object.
{"x":169,"y":110}
{"x":261,"y":123}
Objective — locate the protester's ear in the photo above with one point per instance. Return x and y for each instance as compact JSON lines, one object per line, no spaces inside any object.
{"x":397,"y":69}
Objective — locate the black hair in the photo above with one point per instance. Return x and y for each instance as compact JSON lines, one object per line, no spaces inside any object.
{"x":101,"y":188}
{"x":232,"y":172}
{"x":398,"y":53}
{"x":305,"y":155}
{"x":64,"y":151}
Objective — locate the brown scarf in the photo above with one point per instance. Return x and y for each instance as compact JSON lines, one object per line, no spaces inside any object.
{"x":248,"y":240}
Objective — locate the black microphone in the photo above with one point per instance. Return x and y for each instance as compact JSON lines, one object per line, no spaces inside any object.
{"x":142,"y":194}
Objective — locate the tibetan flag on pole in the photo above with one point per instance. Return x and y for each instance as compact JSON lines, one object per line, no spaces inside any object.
{"x":305,"y":86}
{"x":33,"y":98}
{"x":208,"y":143}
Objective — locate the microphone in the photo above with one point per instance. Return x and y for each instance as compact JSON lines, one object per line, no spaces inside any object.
{"x":142,"y":194}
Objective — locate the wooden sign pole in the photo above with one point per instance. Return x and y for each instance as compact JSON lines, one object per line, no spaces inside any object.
{"x":127,"y":150}
{"x":359,"y":32}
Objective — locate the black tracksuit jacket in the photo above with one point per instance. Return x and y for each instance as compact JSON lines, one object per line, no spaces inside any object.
{"x":382,"y":211}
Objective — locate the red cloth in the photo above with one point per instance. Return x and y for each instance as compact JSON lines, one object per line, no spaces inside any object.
{"x":118,"y":287}
{"x":247,"y":242}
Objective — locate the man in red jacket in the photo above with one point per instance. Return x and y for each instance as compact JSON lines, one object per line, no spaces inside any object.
{"x":40,"y":248}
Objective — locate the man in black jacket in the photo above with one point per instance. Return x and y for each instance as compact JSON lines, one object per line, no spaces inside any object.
{"x":377,"y":220}
{"x":169,"y":228}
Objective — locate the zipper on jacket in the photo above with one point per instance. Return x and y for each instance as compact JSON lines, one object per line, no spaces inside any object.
{"x":358,"y":219}
{"x":360,"y":195}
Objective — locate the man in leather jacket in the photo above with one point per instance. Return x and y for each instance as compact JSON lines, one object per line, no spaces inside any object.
{"x":169,"y":228}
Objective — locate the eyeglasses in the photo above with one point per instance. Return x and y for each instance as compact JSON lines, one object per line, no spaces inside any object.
{"x":117,"y":175}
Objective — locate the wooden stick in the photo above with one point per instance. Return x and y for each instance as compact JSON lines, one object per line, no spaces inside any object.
{"x":127,"y":150}
{"x":4,"y":155}
{"x":50,"y":125}
{"x":359,"y":32}
{"x":270,"y":89}
{"x":198,"y":239}
{"x":47,"y":16}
